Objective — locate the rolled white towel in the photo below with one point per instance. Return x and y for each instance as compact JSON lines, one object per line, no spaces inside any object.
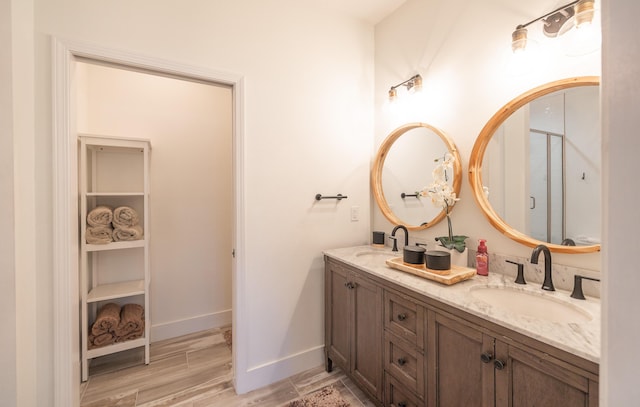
{"x":98,"y":234}
{"x":100,"y":216}
{"x":127,"y":233}
{"x":124,"y":216}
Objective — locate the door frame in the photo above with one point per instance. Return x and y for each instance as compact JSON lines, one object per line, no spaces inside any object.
{"x":66,"y":302}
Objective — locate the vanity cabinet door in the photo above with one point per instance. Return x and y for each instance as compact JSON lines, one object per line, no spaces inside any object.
{"x":456,"y":373}
{"x":353,"y":326}
{"x":531,"y":378}
{"x":366,"y":345}
{"x":337,"y":319}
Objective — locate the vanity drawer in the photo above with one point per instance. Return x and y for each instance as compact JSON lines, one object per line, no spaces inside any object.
{"x":405,"y":318}
{"x":396,"y":395}
{"x":405,"y":363}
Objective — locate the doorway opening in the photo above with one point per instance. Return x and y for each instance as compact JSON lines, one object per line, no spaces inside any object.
{"x":189,"y":127}
{"x":69,"y":120}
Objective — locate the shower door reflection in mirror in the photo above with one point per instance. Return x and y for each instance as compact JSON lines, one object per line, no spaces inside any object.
{"x":544,"y":177}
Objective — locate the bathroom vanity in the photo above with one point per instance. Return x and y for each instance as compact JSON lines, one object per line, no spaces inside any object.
{"x":410,"y":342}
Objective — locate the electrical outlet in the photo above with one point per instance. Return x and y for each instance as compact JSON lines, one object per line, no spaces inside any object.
{"x":355,"y":213}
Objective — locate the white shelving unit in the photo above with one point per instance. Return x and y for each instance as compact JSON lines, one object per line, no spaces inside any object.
{"x":113,"y":172}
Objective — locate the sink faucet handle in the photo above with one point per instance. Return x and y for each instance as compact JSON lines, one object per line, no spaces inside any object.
{"x":577,"y":286}
{"x":421,"y":244}
{"x":520,"y":276}
{"x":395,"y":243}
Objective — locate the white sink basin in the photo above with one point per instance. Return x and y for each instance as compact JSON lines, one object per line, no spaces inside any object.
{"x":544,"y":307}
{"x":383,"y":254}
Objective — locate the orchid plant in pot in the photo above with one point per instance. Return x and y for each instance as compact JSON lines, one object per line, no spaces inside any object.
{"x":442,"y":195}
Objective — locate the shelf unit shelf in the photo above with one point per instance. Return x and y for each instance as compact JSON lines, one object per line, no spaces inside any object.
{"x":113,"y":172}
{"x":113,"y":291}
{"x":116,"y":347}
{"x":114,"y":194}
{"x":115,"y":246}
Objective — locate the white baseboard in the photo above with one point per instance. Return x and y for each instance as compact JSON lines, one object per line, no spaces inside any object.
{"x":268,"y":373}
{"x":186,"y":326}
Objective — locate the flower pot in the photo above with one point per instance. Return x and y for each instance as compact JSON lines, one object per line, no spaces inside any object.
{"x":457,"y":258}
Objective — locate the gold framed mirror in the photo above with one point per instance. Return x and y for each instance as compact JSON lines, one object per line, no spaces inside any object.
{"x":403,"y":165}
{"x":543,"y":147}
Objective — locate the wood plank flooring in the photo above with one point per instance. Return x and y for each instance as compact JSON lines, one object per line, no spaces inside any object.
{"x":195,"y":371}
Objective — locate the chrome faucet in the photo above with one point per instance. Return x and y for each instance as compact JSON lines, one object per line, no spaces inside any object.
{"x":395,"y":239}
{"x":548,"y":281}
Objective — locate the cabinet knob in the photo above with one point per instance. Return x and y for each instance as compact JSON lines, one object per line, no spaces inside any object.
{"x":402,"y":361}
{"x":486,"y":357}
{"x":402,"y":317}
{"x":499,"y":364}
{"x":402,"y":404}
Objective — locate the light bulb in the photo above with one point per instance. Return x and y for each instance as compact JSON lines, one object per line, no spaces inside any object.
{"x":586,"y":36}
{"x":585,"y":11}
{"x":393,"y":94}
{"x":519,"y":39}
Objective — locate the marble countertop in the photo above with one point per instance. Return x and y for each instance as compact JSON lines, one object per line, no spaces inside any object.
{"x":579,"y":338}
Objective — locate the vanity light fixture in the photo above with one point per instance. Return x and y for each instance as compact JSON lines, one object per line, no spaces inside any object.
{"x":555,"y":22}
{"x":414,"y":83}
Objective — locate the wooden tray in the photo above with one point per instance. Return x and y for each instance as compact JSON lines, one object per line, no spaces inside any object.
{"x":455,"y":275}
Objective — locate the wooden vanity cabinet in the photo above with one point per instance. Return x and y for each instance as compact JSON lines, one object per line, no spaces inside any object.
{"x":472,"y":366}
{"x":428,"y":354}
{"x":353,"y":326}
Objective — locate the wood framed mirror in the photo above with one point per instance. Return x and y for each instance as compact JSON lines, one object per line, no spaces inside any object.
{"x":535,"y":167}
{"x":403,"y":166}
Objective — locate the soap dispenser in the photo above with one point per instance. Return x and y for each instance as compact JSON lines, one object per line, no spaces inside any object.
{"x":482,"y":259}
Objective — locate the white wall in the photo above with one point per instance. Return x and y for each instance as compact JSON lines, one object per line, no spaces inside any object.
{"x":621,"y":145}
{"x":27,"y":243}
{"x":462,"y":49}
{"x":8,"y":357}
{"x":189,"y":127}
{"x":307,"y":129}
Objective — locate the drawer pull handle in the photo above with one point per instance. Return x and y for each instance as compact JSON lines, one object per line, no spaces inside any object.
{"x":402,"y":404}
{"x":499,"y":364}
{"x":402,"y":317}
{"x":350,"y":285}
{"x":402,"y":361}
{"x":486,"y":357}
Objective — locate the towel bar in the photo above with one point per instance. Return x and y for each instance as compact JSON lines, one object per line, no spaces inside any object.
{"x":339,"y":197}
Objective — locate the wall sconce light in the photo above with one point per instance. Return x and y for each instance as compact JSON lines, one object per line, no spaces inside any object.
{"x":580,"y":12}
{"x":414,"y":83}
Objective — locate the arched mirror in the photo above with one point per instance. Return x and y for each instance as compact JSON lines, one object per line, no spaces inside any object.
{"x":535,"y":168}
{"x":403,"y":166}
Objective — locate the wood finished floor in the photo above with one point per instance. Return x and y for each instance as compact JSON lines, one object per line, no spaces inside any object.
{"x":195,"y":371}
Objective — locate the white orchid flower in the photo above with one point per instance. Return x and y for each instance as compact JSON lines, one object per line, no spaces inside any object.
{"x":448,"y":160}
{"x":441,"y":194}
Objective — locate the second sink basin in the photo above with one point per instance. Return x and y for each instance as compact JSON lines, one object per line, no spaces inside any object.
{"x":544,"y":307}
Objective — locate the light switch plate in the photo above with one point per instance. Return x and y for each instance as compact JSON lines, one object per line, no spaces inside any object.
{"x":355,"y":213}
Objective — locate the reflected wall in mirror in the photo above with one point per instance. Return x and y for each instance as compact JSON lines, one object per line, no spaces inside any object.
{"x":535,"y":168}
{"x":403,"y":166}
